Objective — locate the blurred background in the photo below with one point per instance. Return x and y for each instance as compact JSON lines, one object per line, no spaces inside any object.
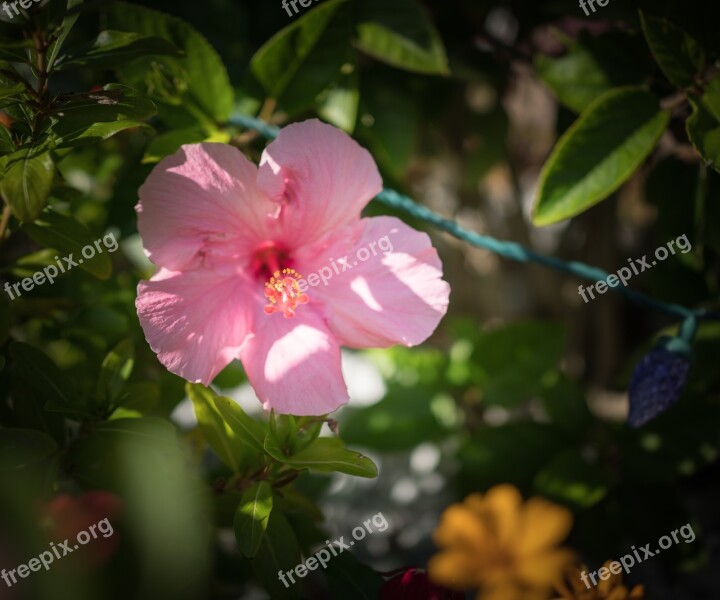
{"x":522,"y":383}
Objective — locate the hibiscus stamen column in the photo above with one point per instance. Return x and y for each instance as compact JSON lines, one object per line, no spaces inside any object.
{"x":283,"y":293}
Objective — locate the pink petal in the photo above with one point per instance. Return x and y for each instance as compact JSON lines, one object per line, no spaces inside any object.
{"x":390,"y":298}
{"x":321,"y":177}
{"x":294,"y":364}
{"x":197,"y":321}
{"x":200,"y":202}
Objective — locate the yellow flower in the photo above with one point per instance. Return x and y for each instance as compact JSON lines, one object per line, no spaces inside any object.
{"x":608,"y":589}
{"x":507,"y":549}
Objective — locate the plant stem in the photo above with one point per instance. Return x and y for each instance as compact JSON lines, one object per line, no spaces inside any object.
{"x":42,"y":74}
{"x":670,"y":103}
{"x":267,"y":109}
{"x":41,"y":52}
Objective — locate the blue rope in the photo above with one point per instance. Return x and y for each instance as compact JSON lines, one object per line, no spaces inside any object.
{"x":269,"y":132}
{"x":510,"y":250}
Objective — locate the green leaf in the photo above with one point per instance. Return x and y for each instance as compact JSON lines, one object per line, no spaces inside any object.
{"x":679,"y":55}
{"x":170,"y":142}
{"x":6,"y":144}
{"x":575,"y":78}
{"x":23,"y":447}
{"x":115,"y":371}
{"x":15,"y":50}
{"x":18,"y":88}
{"x":593,"y":65}
{"x":284,"y":428}
{"x":356,"y":580}
{"x":17,"y":108}
{"x":309,"y":428}
{"x":279,"y":551}
{"x":96,"y":132}
{"x":401,"y":34}
{"x":328,"y":455}
{"x":199,"y":79}
{"x":304,"y":58}
{"x":251,"y":517}
{"x":71,"y":16}
{"x":601,"y":150}
{"x":570,"y":479}
{"x":339,"y":104}
{"x":68,"y":237}
{"x":305,"y":516}
{"x":273,"y":447}
{"x":42,"y":375}
{"x":27,"y":183}
{"x":222,"y":439}
{"x":288,"y":434}
{"x":703,"y":125}
{"x":113,"y":48}
{"x":111,"y":102}
{"x":94,"y":116}
{"x":249,"y":431}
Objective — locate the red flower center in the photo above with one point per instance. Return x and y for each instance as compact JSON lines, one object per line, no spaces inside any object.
{"x":268,"y":258}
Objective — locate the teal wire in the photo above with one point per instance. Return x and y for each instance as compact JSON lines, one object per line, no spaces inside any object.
{"x":506,"y":249}
{"x":269,"y":132}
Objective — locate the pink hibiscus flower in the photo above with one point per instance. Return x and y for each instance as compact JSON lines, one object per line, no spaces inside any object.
{"x":232,"y":242}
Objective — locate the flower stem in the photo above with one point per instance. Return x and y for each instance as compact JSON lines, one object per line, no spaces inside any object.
{"x":267,"y":109}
